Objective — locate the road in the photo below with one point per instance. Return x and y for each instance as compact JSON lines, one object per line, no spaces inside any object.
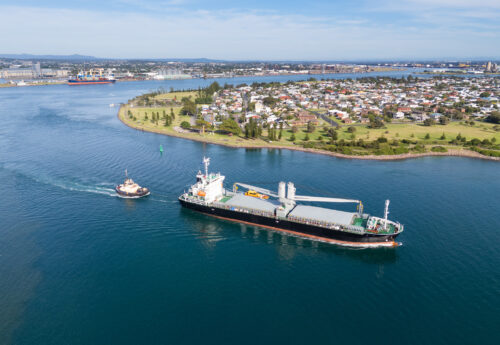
{"x":325,"y":118}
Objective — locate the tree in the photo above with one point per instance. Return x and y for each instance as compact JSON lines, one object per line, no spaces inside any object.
{"x":429,"y":122}
{"x":185,"y":125}
{"x":269,"y":101}
{"x":494,"y":117}
{"x":145,"y":116}
{"x":332,"y":133}
{"x":443,"y":120}
{"x":427,"y":136}
{"x":281,"y":131}
{"x":230,"y":126}
{"x":351,"y":129}
{"x":188,"y":107}
{"x":375,"y":122}
{"x":310,"y":127}
{"x":252,"y":130}
{"x":295,"y":129}
{"x":443,"y":137}
{"x":307,"y":137}
{"x":271,"y":133}
{"x":172,"y":114}
{"x":202,"y":123}
{"x":292,"y":137}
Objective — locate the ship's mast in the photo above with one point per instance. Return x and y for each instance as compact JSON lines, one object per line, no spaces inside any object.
{"x":386,"y":213}
{"x":206,"y":162}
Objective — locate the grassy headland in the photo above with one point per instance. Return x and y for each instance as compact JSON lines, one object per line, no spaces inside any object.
{"x":174,"y":114}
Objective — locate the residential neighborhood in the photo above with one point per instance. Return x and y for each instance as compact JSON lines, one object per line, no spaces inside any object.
{"x":365,"y":116}
{"x":356,"y":101}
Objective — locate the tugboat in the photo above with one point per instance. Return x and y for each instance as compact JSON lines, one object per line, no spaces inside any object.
{"x":130,"y":189}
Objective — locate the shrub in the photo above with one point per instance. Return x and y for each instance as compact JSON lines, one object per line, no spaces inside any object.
{"x":401,"y":150}
{"x":491,"y":153}
{"x":419,"y":148}
{"x":185,"y":125}
{"x":475,"y":142}
{"x":439,"y":149}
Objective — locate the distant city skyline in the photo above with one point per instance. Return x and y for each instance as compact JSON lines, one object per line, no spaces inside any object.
{"x":262,"y":30}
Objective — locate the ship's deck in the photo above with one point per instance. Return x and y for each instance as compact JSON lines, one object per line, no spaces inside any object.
{"x":323,"y":214}
{"x":300,"y":212}
{"x":240,"y":200}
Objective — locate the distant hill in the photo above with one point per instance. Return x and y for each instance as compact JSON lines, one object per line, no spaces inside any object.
{"x":74,"y":57}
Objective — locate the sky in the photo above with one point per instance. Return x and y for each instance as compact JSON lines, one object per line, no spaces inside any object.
{"x":254,"y":30}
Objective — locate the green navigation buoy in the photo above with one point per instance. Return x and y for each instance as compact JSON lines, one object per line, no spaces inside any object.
{"x":161,"y":148}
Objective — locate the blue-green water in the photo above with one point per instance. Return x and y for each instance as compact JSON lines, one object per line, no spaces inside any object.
{"x":81,"y":266}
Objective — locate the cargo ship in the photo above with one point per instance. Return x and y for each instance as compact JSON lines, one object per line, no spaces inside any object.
{"x":93,"y":76}
{"x":281,"y":212}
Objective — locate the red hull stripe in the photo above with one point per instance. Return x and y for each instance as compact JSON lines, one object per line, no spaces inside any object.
{"x":91,"y":82}
{"x":316,"y":238}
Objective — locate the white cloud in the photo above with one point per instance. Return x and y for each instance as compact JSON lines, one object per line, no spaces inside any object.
{"x":228,"y":34}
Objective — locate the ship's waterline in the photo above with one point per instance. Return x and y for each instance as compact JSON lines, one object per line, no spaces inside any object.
{"x":209,"y":196}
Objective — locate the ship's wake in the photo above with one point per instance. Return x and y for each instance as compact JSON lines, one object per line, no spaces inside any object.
{"x":103,"y":188}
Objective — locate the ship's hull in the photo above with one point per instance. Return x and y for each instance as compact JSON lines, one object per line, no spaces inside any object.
{"x":293,"y":228}
{"x":144,"y":192}
{"x":90,"y":82}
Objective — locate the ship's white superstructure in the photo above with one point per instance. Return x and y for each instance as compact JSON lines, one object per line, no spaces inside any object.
{"x":208,"y":187}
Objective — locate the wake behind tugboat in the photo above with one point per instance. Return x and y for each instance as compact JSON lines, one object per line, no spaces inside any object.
{"x":283,"y":214}
{"x":130,"y":189}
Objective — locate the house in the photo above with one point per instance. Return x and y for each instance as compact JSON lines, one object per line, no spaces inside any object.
{"x":398,"y":115}
{"x":404,"y":109}
{"x":435,"y":116}
{"x":304,"y":118}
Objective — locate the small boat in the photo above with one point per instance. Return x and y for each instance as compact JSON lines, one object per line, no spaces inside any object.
{"x":130,"y":189}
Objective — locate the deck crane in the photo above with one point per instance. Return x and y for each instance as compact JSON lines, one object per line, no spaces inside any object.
{"x":257,"y":189}
{"x":291,"y":198}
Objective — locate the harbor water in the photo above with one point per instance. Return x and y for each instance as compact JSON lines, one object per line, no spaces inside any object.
{"x":78,"y":265}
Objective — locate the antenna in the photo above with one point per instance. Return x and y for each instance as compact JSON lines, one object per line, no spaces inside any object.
{"x":126,"y":173}
{"x":386,"y":213}
{"x":206,"y":162}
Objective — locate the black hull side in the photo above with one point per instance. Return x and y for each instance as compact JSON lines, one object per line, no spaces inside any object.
{"x":306,"y":230}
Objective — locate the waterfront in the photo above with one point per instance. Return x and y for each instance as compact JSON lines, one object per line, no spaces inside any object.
{"x":81,"y":266}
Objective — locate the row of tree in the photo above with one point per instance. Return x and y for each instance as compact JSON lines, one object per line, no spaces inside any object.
{"x":155,"y":117}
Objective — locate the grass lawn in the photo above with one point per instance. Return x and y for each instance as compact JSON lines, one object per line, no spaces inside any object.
{"x":392,"y":131}
{"x":480,"y":130}
{"x":142,"y":123}
{"x":178,"y":95}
